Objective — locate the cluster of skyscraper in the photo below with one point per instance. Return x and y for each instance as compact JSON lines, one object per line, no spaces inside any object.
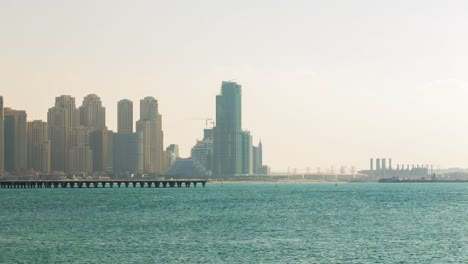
{"x":77,"y":140}
{"x":226,"y":149}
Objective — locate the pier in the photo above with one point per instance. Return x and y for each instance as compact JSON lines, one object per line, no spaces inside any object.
{"x":23,"y":184}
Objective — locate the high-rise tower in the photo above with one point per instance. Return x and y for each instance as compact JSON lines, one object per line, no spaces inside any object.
{"x":16,"y":150}
{"x":247,"y":153}
{"x":257,"y":153}
{"x":38,"y":146}
{"x":81,"y":155}
{"x":61,"y":119}
{"x":127,"y":146}
{"x":92,"y":113}
{"x":260,"y":150}
{"x":228,"y":131}
{"x":125,"y":116}
{"x":93,"y":117}
{"x":150,"y":126}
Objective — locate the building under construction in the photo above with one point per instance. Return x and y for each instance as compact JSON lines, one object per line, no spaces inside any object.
{"x":402,"y":171}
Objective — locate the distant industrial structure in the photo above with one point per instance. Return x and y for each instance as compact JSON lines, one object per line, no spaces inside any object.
{"x":381,"y":170}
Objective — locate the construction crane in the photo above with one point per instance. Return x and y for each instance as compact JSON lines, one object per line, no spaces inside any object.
{"x":208,"y":121}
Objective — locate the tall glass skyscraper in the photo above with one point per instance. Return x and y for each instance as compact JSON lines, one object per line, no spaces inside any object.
{"x":227,"y":152}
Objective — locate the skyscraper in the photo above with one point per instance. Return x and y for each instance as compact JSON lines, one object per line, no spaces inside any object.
{"x":93,"y":117}
{"x":228,"y":131}
{"x":125,"y":116}
{"x":127,"y":146}
{"x":247,"y":156}
{"x":92,"y":113}
{"x":16,"y":150}
{"x":98,"y":141}
{"x":81,"y":155}
{"x":67,"y":102}
{"x":38,"y":146}
{"x":109,"y":165}
{"x":260,"y":149}
{"x":257,"y":153}
{"x":61,"y":119}
{"x":2,"y":144}
{"x":150,"y":125}
{"x":128,"y":152}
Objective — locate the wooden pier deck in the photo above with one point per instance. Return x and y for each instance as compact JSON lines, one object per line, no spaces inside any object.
{"x":18,"y":184}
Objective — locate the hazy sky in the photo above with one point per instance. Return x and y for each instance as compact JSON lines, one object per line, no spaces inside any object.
{"x":324,"y":82}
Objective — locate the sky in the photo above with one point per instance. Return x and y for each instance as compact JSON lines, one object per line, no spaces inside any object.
{"x":325,"y":83}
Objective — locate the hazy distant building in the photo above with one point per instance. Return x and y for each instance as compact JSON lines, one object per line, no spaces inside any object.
{"x":264,"y":170}
{"x":16,"y":150}
{"x":2,"y":144}
{"x":38,"y":146}
{"x":125,"y":116}
{"x":81,"y":155}
{"x":202,"y":152}
{"x":109,"y":167}
{"x":100,"y":142}
{"x":61,"y":119}
{"x":401,"y":171}
{"x":247,"y":157}
{"x":227,"y":151}
{"x":257,"y":153}
{"x":150,"y":125}
{"x":172,"y":153}
{"x":186,"y":168}
{"x":59,"y":134}
{"x":128,"y":152}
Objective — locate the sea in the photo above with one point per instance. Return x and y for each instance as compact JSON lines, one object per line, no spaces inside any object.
{"x":237,"y":223}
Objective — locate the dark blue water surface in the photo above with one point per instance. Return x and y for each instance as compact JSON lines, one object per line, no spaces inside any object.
{"x":237,"y":223}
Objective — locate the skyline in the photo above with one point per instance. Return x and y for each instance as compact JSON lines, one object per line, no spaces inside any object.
{"x":145,"y":112}
{"x":76,"y":140}
{"x":341,"y":81}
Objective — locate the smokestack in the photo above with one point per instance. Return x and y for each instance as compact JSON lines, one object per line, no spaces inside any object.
{"x":371,"y":164}
{"x":384,"y":164}
{"x":398,"y":166}
{"x":390,"y":164}
{"x":378,"y":164}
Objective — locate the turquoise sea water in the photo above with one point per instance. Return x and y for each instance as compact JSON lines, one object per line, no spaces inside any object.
{"x":237,"y":223}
